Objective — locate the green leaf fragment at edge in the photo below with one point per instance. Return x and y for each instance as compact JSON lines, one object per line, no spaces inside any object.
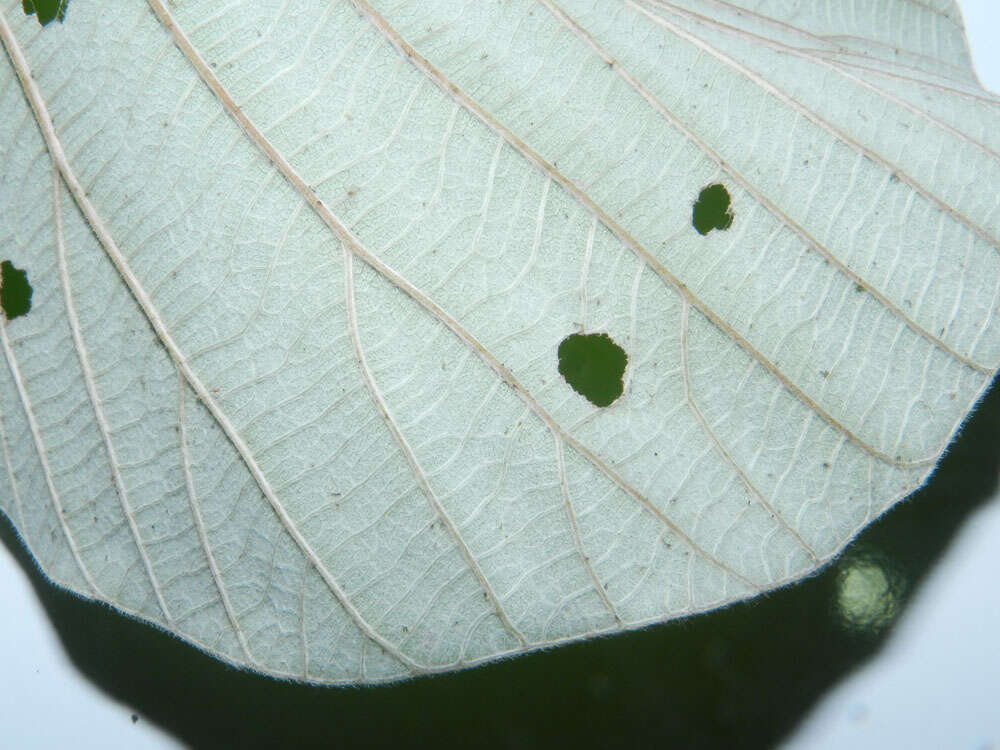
{"x":15,"y":291}
{"x":712,"y":210}
{"x":593,"y":365}
{"x":45,"y":10}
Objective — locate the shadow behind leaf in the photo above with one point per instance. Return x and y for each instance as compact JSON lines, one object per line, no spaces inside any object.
{"x":738,"y":677}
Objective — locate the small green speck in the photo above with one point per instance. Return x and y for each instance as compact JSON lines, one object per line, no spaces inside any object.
{"x":45,"y":10}
{"x":15,"y":291}
{"x":712,"y":210}
{"x":593,"y":365}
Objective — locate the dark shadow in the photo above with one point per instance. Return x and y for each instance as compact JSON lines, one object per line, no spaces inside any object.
{"x":740,"y":677}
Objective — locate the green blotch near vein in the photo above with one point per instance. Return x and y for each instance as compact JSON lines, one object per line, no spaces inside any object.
{"x":712,"y":210}
{"x":45,"y":10}
{"x":15,"y":291}
{"x":593,"y":365}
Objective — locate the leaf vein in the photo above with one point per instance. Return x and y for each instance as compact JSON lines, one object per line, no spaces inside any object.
{"x":200,"y":522}
{"x":95,"y":401}
{"x":411,"y":458}
{"x":58,"y":155}
{"x":352,"y":243}
{"x":546,"y":168}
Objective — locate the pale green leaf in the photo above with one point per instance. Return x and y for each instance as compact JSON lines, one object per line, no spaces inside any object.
{"x":293,"y":382}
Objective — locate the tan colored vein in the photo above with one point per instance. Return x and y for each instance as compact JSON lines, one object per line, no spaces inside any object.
{"x":828,"y":39}
{"x":805,"y":112}
{"x":721,"y":449}
{"x":199,"y":521}
{"x":575,"y":529}
{"x":811,"y":242}
{"x":96,"y":404}
{"x":623,"y":236}
{"x":411,"y":458}
{"x":979,"y":95}
{"x":351,"y":242}
{"x":58,"y":155}
{"x":927,"y":6}
{"x":36,"y":435}
{"x":829,"y":64}
{"x":956,"y":73}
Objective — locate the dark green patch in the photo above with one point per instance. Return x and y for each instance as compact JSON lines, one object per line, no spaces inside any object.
{"x":593,"y":365}
{"x":45,"y":10}
{"x":15,"y":291}
{"x":712,"y":210}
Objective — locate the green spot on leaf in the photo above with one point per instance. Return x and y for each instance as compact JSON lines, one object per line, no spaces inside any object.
{"x":712,"y":210}
{"x":15,"y":291}
{"x":45,"y":10}
{"x":593,"y":365}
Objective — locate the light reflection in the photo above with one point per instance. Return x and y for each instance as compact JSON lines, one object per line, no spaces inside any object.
{"x":868,"y":594}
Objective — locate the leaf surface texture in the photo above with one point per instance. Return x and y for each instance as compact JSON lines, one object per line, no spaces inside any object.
{"x":289,"y":386}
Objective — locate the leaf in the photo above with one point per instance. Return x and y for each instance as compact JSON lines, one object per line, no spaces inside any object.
{"x":290,"y":386}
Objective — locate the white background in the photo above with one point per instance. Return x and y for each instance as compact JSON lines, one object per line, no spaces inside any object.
{"x":934,"y":685}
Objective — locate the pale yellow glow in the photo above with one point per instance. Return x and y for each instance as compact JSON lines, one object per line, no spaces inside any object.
{"x":867,"y":598}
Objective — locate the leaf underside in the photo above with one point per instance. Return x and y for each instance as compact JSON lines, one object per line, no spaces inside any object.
{"x":290,"y":385}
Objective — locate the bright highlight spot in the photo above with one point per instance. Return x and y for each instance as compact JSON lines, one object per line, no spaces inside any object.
{"x":867,"y":598}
